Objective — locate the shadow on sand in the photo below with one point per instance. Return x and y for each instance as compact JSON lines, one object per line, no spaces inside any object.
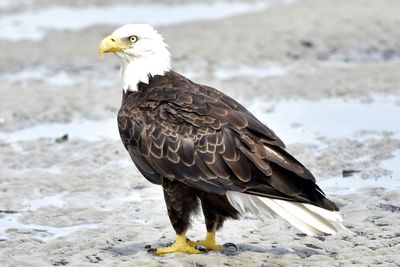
{"x":135,"y":248}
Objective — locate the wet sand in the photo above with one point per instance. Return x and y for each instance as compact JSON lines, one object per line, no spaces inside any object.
{"x":322,"y":74}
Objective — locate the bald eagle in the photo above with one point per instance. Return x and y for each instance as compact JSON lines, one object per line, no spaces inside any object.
{"x":204,"y":148}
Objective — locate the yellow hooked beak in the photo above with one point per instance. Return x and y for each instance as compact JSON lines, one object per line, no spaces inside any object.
{"x":111,"y":44}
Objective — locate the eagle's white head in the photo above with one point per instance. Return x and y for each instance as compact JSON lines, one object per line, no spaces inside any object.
{"x":142,"y":50}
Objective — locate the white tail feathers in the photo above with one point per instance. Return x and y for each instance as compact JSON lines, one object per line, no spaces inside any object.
{"x":308,"y":218}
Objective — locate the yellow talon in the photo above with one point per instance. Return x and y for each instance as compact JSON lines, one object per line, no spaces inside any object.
{"x":208,"y":242}
{"x":180,"y":245}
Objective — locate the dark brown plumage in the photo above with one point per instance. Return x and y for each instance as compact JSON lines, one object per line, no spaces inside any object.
{"x":199,"y":143}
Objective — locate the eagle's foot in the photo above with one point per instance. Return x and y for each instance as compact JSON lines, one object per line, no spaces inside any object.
{"x":208,"y":243}
{"x":180,"y":245}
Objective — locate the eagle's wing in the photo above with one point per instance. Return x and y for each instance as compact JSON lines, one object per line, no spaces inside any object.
{"x":207,"y":140}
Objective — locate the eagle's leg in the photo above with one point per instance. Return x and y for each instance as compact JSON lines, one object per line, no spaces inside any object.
{"x":216,"y":209}
{"x":213,"y":223}
{"x":181,"y":201}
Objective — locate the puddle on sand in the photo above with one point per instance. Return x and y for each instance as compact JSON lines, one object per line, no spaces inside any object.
{"x":259,"y":72}
{"x":35,"y":204}
{"x":345,"y":185}
{"x":222,"y":73}
{"x":83,"y":129}
{"x":35,"y":24}
{"x":352,"y":184}
{"x":11,"y":222}
{"x":53,"y":77}
{"x":306,"y":121}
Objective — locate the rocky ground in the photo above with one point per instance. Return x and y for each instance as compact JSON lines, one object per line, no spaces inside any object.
{"x":322,"y":74}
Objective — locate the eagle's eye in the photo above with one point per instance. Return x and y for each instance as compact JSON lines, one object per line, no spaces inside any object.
{"x":133,"y":38}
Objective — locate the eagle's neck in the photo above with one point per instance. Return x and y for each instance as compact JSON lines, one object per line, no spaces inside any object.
{"x":138,"y":69}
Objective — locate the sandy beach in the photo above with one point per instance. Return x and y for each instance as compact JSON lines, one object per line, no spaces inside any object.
{"x":324,"y":75}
